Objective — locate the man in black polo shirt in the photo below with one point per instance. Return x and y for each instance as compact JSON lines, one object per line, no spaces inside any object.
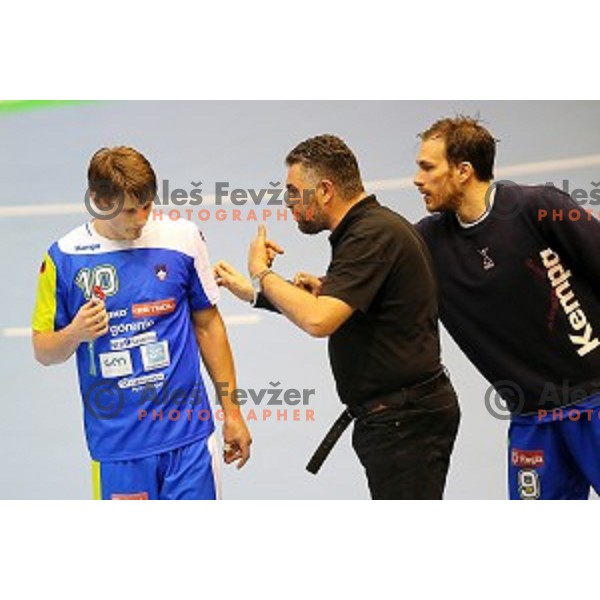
{"x":378,"y":307}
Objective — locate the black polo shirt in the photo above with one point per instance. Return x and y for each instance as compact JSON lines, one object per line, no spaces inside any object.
{"x":380,"y":267}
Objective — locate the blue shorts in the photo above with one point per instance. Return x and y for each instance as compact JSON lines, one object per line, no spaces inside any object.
{"x":555,"y":456}
{"x":187,"y":473}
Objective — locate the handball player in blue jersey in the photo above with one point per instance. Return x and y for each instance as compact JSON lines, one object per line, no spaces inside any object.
{"x":518,"y":271}
{"x":135,"y":300}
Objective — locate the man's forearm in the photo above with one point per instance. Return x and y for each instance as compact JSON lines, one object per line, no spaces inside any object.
{"x":54,"y":347}
{"x":298,"y":305}
{"x":218,"y":360}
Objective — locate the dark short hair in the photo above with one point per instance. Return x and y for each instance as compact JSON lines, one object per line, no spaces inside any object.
{"x":466,"y":141}
{"x":121,"y":170}
{"x":330,"y":158}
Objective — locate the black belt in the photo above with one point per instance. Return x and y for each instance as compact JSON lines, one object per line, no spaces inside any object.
{"x":397,"y":399}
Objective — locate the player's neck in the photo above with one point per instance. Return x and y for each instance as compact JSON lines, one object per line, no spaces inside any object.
{"x":104,"y":230}
{"x":475,"y":202}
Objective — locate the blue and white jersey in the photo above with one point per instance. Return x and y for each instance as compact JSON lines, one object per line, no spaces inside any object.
{"x":140,"y":383}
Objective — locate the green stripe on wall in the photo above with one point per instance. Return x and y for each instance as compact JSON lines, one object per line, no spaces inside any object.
{"x":22,"y":105}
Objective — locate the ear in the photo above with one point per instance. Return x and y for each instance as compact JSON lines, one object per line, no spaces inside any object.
{"x":465,"y":171}
{"x":101,"y":203}
{"x":326,"y":190}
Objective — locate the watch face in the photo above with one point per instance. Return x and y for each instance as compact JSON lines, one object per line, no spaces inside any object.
{"x":256,"y":287}
{"x":256,"y":283}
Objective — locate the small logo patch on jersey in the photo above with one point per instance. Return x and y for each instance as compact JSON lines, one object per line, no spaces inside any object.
{"x":155,"y":356}
{"x":116,"y":364}
{"x":90,"y":247}
{"x":43,"y":267}
{"x":132,"y":342}
{"x":154,"y":309}
{"x":532,"y":459}
{"x":161,"y":271}
{"x":488,"y":263}
{"x":136,"y":496}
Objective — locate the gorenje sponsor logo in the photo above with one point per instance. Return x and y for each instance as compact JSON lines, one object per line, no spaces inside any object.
{"x":154,"y":309}
{"x":559,"y":278}
{"x":131,"y":327}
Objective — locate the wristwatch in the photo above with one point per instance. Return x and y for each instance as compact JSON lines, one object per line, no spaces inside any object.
{"x":257,"y":284}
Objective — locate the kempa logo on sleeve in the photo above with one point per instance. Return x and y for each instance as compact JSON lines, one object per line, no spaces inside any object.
{"x":559,"y":278}
{"x":116,"y":364}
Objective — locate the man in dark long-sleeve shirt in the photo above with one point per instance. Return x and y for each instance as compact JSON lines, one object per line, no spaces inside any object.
{"x":518,"y":270}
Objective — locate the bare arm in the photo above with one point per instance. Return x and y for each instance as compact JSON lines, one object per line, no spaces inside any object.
{"x":54,"y":347}
{"x":318,"y":316}
{"x":216,"y":356}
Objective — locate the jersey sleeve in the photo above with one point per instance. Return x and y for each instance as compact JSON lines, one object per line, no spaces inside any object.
{"x":50,"y":311}
{"x":203,"y":290}
{"x":358,"y":270}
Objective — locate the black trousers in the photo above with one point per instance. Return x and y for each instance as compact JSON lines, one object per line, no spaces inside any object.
{"x":406,"y":450}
